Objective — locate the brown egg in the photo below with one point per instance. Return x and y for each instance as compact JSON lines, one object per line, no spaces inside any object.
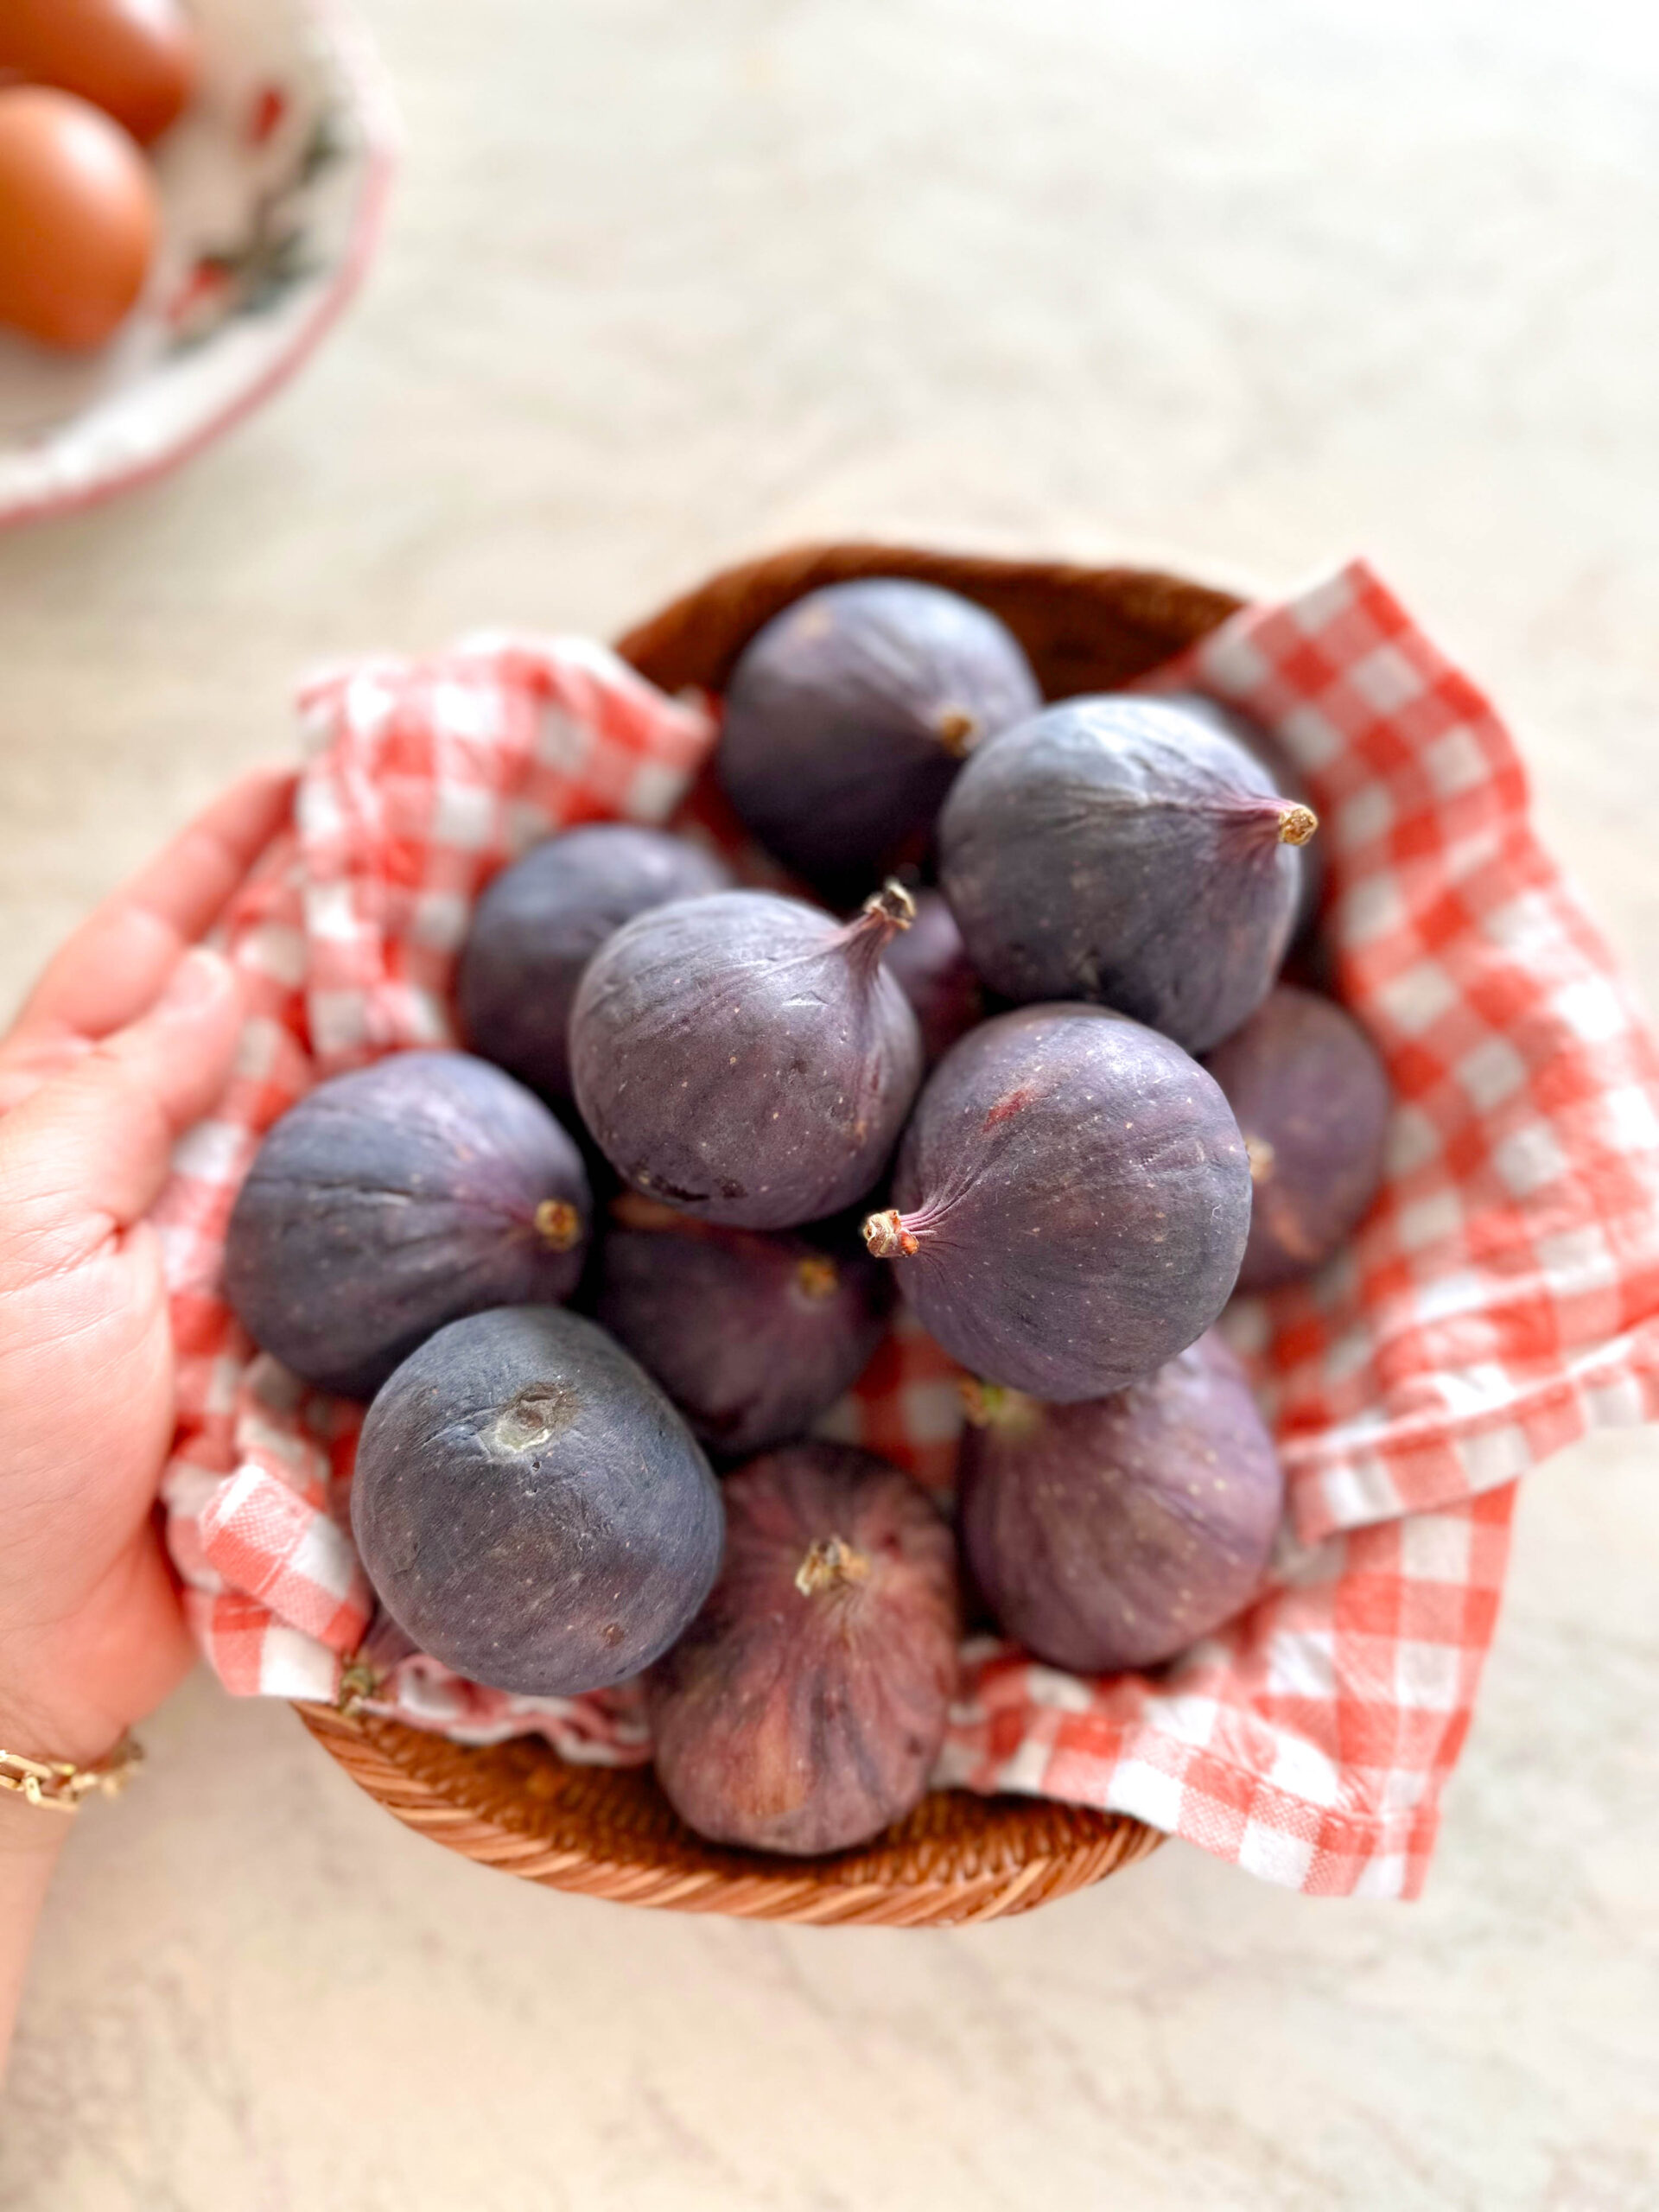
{"x":135,"y":59}
{"x":78,"y":219}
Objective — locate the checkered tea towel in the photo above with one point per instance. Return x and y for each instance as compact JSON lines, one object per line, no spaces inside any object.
{"x":1501,"y":1300}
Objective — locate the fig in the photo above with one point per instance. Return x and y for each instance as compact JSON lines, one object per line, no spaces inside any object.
{"x":1114,"y":1533}
{"x":542,"y":920}
{"x":1312,"y":1100}
{"x":530,"y":1508}
{"x":746,"y":1058}
{"x":803,"y":1709}
{"x":847,"y":715}
{"x":935,"y":975}
{"x":1286,"y":780}
{"x":1070,"y":1203}
{"x":393,"y":1200}
{"x":753,"y":1335}
{"x":1123,"y":850}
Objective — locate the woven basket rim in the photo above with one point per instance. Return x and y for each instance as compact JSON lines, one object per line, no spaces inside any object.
{"x":1108,"y":624}
{"x":890,"y":1882}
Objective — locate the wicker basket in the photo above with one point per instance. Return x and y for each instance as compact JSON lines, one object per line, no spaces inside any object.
{"x":609,"y":1832}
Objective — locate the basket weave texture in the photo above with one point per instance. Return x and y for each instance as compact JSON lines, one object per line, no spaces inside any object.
{"x":1083,"y":629}
{"x":609,"y":1832}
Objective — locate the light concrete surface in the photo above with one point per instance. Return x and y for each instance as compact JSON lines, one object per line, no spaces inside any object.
{"x":1243,"y":289}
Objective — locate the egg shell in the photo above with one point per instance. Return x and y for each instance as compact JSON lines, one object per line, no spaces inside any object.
{"x":137,"y":59}
{"x":78,"y":219}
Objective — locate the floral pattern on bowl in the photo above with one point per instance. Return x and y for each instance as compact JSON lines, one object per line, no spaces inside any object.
{"x":272,"y":189}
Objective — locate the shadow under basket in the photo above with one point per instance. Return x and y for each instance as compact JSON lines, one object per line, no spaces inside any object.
{"x":608,"y":1831}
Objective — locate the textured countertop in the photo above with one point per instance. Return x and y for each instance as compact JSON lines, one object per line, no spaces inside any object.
{"x":1237,"y":290}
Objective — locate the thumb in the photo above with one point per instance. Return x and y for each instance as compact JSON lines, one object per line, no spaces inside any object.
{"x":90,"y":1149}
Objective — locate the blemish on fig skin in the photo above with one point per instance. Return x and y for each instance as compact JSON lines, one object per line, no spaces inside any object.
{"x":1006,"y":1108}
{"x":533,"y":1418}
{"x":676,"y":1191}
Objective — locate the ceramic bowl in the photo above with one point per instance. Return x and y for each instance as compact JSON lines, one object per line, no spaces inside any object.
{"x":272,"y":189}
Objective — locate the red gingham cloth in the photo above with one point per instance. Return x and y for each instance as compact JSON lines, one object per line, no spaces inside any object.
{"x":1501,"y":1300}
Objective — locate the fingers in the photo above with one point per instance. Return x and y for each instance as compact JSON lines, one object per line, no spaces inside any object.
{"x":90,"y":1149}
{"x":120,"y":958}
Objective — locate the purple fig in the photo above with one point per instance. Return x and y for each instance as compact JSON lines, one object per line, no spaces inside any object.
{"x":530,"y":1508}
{"x":393,"y":1200}
{"x":804,"y":1709}
{"x":1071,"y":1202}
{"x":849,"y":714}
{"x":935,"y":975}
{"x":1115,"y":1534}
{"x":1312,"y":1098}
{"x":1286,"y":778}
{"x":752,"y":1335}
{"x":747,"y":1058}
{"x":1119,"y":849}
{"x":542,"y":920}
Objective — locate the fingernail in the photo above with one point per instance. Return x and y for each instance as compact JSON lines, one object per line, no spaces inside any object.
{"x":200,"y":977}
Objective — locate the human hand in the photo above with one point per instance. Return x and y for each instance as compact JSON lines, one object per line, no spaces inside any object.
{"x":127,"y":1039}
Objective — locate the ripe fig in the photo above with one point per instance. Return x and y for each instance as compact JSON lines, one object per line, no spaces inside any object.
{"x":1116,"y":1533}
{"x":542,"y":920}
{"x":1286,"y":780}
{"x":849,"y":714}
{"x":1313,"y":1100}
{"x":393,"y":1200}
{"x":1071,"y":1202}
{"x":804,"y":1709}
{"x":1121,"y":850}
{"x":529,"y":1506}
{"x":935,"y":975}
{"x":747,"y":1058}
{"x":752,"y":1335}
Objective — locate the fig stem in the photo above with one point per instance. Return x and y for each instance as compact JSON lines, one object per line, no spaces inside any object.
{"x":995,"y":1405}
{"x":891,"y":905}
{"x":979,"y":1400}
{"x":817,"y":1276}
{"x":887,"y":1236}
{"x":558,"y":1224}
{"x":830,"y":1560}
{"x":359,"y":1681}
{"x":883,"y":914}
{"x":1297,"y":824}
{"x":957,"y":730}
